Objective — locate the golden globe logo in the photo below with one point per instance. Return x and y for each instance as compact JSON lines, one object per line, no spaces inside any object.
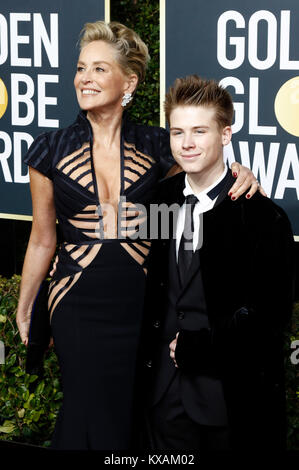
{"x":3,"y":98}
{"x":286,"y":106}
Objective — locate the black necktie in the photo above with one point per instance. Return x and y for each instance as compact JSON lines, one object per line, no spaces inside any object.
{"x":186,"y":244}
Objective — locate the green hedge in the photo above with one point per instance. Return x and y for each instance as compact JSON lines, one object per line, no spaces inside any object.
{"x":29,"y":407}
{"x":143,"y":17}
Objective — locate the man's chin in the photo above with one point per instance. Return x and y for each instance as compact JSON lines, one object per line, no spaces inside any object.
{"x":189,"y":170}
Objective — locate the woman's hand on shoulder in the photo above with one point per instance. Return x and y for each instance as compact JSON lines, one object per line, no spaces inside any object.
{"x":245,"y":180}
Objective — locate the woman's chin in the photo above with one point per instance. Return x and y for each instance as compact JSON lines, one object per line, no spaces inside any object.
{"x":87,"y":106}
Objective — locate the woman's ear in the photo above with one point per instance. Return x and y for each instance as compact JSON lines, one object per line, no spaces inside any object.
{"x":132,"y":83}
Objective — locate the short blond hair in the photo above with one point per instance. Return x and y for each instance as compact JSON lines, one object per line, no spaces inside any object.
{"x":196,"y":91}
{"x":132,"y":52}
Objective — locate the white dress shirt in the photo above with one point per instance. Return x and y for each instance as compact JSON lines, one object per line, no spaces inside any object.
{"x":204,"y":204}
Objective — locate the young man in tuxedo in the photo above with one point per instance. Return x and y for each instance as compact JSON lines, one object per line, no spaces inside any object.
{"x":219,"y":294}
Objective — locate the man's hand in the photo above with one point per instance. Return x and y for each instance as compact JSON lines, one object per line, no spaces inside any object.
{"x":172,"y":347}
{"x":245,"y":180}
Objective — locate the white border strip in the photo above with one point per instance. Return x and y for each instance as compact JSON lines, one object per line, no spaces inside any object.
{"x":107,"y":11}
{"x":16,"y":217}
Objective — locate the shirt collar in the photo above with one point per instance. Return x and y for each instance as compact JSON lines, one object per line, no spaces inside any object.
{"x":202,"y":195}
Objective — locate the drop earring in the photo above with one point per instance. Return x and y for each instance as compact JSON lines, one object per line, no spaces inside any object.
{"x":126,"y":99}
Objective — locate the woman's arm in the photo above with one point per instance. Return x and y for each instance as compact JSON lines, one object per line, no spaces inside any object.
{"x":40,"y":250}
{"x":245,"y":179}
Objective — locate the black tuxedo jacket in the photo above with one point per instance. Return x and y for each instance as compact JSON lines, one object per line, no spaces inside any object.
{"x":248,"y":274}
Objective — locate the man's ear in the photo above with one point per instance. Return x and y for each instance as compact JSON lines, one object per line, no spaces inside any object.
{"x":226,"y":135}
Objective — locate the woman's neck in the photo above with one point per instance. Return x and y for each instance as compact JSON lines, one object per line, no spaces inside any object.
{"x":106,"y":126}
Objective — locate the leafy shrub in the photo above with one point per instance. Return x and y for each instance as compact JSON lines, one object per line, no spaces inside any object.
{"x":28,"y":406}
{"x":143,"y":17}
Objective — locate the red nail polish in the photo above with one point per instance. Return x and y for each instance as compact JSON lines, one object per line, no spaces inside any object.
{"x":230,"y":193}
{"x":233,"y":198}
{"x":235,"y":175}
{"x":248,"y":196}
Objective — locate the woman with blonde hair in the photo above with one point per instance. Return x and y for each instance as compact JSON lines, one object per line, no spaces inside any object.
{"x":91,"y":176}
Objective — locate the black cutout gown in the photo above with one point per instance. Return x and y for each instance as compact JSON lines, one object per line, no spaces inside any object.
{"x":96,"y":294}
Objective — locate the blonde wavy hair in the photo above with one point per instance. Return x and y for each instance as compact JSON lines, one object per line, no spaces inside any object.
{"x":132,"y":53}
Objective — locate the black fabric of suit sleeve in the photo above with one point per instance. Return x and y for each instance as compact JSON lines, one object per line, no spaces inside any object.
{"x":259,"y":323}
{"x":194,"y":352}
{"x":166,"y":159}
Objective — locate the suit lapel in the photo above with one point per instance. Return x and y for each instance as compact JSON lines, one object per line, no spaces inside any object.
{"x":173,"y":262}
{"x":174,"y":186}
{"x":194,"y":267}
{"x":228,"y":182}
